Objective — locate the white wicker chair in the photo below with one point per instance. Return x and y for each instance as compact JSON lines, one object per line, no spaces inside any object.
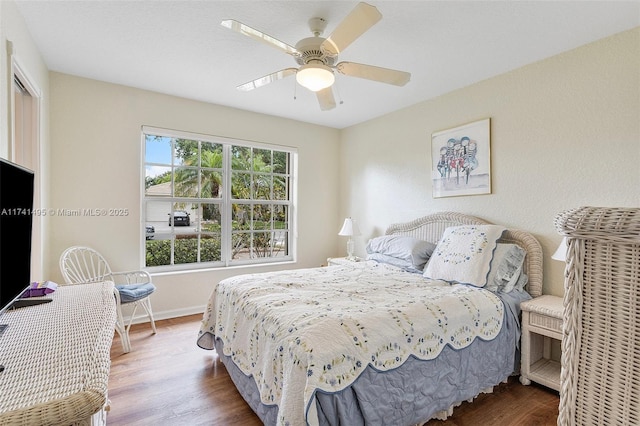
{"x":85,"y":265}
{"x":600,"y":379}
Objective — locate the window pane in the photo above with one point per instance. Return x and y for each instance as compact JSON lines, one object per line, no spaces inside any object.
{"x":211,"y":218}
{"x":280,"y":162}
{"x":241,"y":185}
{"x":280,"y":244}
{"x":262,"y":160}
{"x":156,"y":213}
{"x":240,"y":158}
{"x":157,"y":181}
{"x":261,"y":187}
{"x":183,"y":215}
{"x":262,"y":216}
{"x":240,"y":242}
{"x":211,"y":184}
{"x":157,"y":150}
{"x":241,"y":216}
{"x":260,"y":244}
{"x":158,"y":252}
{"x":269,"y":244}
{"x":280,"y":188}
{"x":210,"y":248}
{"x":186,"y":249}
{"x":186,"y":182}
{"x":280,"y":217}
{"x":186,"y":152}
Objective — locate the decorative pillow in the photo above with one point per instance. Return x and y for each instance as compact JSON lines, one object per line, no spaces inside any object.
{"x":521,"y":282}
{"x":463,"y":254}
{"x":390,"y":260}
{"x":410,"y":249}
{"x":506,"y":267}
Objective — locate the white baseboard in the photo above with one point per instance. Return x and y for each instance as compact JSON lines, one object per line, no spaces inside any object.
{"x":174,"y":313}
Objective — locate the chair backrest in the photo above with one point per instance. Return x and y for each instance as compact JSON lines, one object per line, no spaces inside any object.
{"x":84,"y":265}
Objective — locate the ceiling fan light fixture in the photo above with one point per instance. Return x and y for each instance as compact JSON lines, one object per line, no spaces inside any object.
{"x":315,"y":77}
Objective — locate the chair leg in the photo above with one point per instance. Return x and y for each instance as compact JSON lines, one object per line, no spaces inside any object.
{"x":123,"y":332}
{"x":146,"y":304}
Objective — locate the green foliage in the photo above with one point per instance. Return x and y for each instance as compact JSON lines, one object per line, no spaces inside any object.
{"x":156,"y":180}
{"x":158,"y":252}
{"x":257,"y":174}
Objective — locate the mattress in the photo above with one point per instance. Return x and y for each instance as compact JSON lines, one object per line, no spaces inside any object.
{"x":266,"y":328}
{"x":416,"y":391}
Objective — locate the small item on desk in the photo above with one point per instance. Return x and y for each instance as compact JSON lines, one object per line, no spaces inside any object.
{"x":38,"y":289}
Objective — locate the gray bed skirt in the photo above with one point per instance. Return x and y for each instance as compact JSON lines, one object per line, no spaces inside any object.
{"x":412,"y":393}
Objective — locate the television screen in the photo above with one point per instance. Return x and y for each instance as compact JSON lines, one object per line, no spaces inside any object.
{"x":16,"y":216}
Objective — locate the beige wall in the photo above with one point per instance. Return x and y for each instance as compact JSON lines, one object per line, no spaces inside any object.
{"x":565,"y":132}
{"x":14,"y":33}
{"x":96,"y":163}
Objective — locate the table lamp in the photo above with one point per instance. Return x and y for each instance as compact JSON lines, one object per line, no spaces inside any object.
{"x":350,"y":229}
{"x":561,"y":251}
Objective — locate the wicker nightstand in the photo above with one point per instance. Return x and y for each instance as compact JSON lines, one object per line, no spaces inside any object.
{"x":541,"y":322}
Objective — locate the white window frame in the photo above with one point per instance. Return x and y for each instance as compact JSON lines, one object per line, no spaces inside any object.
{"x":225,"y":202}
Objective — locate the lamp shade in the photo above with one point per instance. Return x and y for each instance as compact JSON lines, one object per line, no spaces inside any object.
{"x":561,"y":251}
{"x":349,"y":228}
{"x":315,"y":77}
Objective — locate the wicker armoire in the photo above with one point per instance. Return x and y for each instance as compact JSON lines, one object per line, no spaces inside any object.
{"x":600,"y":379}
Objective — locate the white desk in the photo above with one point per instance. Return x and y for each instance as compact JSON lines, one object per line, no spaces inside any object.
{"x":56,"y":357}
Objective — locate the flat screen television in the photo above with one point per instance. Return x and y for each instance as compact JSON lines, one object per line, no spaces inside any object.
{"x":16,"y":221}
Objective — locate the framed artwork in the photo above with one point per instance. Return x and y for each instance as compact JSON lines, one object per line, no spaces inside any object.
{"x":461,"y":160}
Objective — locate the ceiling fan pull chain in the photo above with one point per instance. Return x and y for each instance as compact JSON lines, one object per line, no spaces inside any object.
{"x":295,"y":90}
{"x":336,"y":85}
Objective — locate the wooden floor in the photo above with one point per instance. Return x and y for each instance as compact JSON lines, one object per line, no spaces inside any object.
{"x":167,"y":380}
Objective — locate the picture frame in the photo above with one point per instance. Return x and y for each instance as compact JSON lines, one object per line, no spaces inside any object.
{"x":461,"y":160}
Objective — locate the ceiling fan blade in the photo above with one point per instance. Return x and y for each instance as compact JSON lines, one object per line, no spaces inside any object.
{"x":260,"y":36}
{"x":326,"y":99}
{"x":356,"y":23}
{"x":270,"y":78}
{"x":370,"y":72}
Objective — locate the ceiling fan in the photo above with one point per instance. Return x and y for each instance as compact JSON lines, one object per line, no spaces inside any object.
{"x":317,"y":56}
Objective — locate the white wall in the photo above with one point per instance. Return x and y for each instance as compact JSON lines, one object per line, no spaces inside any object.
{"x":565,"y":132}
{"x":96,"y":163}
{"x":13,"y":30}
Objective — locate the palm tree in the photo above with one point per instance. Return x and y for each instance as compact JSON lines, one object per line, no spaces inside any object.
{"x":251,"y":179}
{"x":209,"y":163}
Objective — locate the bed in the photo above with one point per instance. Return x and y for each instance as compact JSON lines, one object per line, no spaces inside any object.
{"x":374,"y":342}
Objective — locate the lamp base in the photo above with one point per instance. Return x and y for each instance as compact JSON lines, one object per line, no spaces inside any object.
{"x":350,"y":247}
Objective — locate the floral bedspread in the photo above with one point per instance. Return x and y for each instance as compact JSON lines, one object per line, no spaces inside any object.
{"x":304,"y":330}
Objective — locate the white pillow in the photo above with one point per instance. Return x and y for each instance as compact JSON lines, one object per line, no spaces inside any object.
{"x":395,"y":261}
{"x":409,"y":249}
{"x":464,"y":253}
{"x":519,"y":285}
{"x":506,"y":267}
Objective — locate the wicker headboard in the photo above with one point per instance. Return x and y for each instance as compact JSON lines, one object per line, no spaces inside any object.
{"x":430,"y":228}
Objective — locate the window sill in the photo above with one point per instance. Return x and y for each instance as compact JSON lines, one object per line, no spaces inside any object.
{"x":160,"y":272}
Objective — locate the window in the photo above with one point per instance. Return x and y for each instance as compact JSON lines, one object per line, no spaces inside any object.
{"x":211,"y":202}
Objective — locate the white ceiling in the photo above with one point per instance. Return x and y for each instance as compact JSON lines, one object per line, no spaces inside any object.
{"x":180,"y":48}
